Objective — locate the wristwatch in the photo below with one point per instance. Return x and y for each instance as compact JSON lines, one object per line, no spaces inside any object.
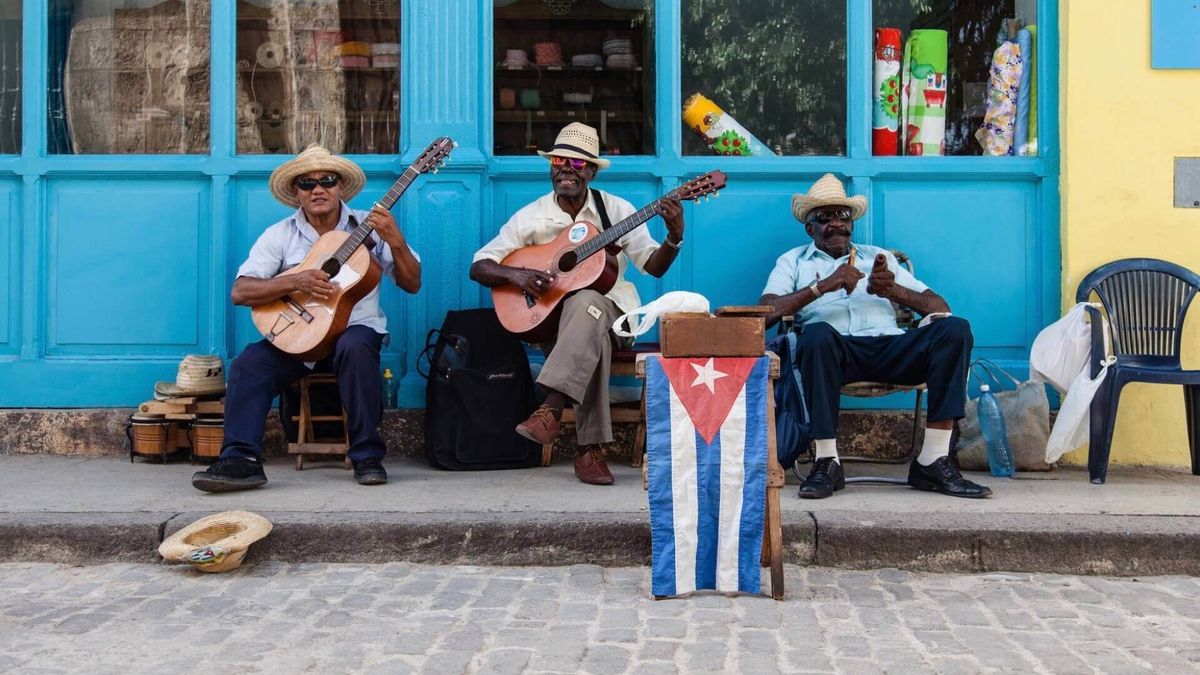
{"x":672,"y":244}
{"x":815,"y":291}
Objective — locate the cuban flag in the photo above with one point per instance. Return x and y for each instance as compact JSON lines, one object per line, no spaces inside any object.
{"x":706,"y":454}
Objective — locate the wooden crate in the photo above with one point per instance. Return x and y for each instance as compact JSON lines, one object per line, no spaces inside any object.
{"x":688,"y":334}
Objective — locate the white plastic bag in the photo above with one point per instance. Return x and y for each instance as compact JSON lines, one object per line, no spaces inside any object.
{"x":1062,"y":349}
{"x":1071,"y":427}
{"x":675,"y":301}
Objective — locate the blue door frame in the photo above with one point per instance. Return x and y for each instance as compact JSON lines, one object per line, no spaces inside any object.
{"x":119,"y":265}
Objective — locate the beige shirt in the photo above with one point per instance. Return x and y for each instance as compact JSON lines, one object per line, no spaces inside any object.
{"x":542,"y":220}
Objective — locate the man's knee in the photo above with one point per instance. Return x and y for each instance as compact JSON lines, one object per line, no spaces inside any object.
{"x":356,"y":346}
{"x":818,"y":335}
{"x":581,"y":300}
{"x":954,"y":329}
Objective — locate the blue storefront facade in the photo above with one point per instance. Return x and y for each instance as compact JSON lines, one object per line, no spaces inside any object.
{"x":117,"y":265}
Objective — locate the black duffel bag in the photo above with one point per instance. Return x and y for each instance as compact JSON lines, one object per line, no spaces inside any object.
{"x":478,"y":388}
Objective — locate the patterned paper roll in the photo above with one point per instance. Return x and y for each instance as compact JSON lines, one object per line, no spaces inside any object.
{"x":719,"y":130}
{"x":1021,"y":131}
{"x":885,"y":113}
{"x":923,"y":84}
{"x":269,"y":55}
{"x":995,"y":135}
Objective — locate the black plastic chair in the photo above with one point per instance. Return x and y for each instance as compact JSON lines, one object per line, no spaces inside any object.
{"x":1146,"y":301}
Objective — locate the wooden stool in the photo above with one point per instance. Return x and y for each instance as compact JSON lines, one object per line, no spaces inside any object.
{"x":623,"y":364}
{"x":306,"y":441}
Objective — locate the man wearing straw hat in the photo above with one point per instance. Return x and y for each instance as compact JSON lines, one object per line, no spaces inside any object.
{"x":842,"y":294}
{"x":577,"y":366}
{"x":317,"y":184}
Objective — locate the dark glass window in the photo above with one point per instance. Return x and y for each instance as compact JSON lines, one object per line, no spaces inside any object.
{"x":10,"y":77}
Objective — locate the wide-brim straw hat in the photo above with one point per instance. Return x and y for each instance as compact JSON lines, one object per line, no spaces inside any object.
{"x":827,"y":191}
{"x":216,"y":543}
{"x":198,"y":375}
{"x":578,"y":141}
{"x":315,"y":158}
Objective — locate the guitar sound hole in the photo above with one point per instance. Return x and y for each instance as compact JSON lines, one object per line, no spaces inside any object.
{"x":567,"y":262}
{"x":331,"y":267}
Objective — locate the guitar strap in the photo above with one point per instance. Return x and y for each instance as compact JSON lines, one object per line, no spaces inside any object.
{"x":605,"y":223}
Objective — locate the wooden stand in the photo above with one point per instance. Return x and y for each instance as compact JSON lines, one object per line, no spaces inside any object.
{"x":772,"y":548}
{"x":307,"y":444}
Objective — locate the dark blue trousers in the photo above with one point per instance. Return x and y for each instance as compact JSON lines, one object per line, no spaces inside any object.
{"x":262,"y":372}
{"x":938,"y":355}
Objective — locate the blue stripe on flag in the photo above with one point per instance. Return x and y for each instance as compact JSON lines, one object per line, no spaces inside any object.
{"x":658,"y":468}
{"x":708,"y":505}
{"x":754,"y":490}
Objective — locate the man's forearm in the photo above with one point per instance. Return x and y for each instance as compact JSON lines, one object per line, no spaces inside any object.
{"x":660,"y":261}
{"x":406,"y":268}
{"x":921,"y":303}
{"x":490,"y":273}
{"x":252,"y":292}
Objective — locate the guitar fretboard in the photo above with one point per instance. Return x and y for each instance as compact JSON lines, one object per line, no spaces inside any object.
{"x":622,"y":228}
{"x":360,"y":233}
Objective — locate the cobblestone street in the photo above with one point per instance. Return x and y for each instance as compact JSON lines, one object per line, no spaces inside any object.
{"x":395,"y":618}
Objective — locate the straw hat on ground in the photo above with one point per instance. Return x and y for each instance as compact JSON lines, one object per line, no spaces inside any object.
{"x":216,"y":543}
{"x":198,"y":375}
{"x":578,"y":141}
{"x":827,"y":191}
{"x":315,"y":158}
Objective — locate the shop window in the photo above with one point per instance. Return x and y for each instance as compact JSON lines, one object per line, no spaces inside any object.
{"x":764,"y":76}
{"x":128,"y":77}
{"x":968,"y":68}
{"x":563,"y":61}
{"x":10,"y":77}
{"x":318,"y":71}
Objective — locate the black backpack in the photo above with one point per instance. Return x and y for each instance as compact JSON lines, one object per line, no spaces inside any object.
{"x":791,"y":411}
{"x":478,"y":388}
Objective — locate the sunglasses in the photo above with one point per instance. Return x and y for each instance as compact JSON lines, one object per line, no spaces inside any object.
{"x":829,"y":215}
{"x":326,"y":182}
{"x":576,"y":164}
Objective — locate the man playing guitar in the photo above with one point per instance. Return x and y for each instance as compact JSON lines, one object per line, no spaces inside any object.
{"x":577,"y":362}
{"x":318,"y":184}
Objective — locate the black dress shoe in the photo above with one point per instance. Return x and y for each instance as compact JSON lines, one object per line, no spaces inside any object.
{"x":230,"y":473}
{"x":942,"y":476}
{"x":825,"y":479}
{"x":370,"y":472}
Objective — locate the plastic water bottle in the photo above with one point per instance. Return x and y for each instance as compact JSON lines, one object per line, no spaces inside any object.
{"x":991,"y":423}
{"x":389,"y":389}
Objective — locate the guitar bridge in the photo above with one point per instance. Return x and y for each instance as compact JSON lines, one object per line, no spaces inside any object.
{"x":530,"y":301}
{"x":298,"y":309}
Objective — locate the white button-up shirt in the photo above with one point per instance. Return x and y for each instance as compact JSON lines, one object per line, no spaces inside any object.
{"x":858,"y":313}
{"x":542,"y":220}
{"x":283,"y":246}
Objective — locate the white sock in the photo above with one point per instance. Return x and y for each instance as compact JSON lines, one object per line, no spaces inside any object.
{"x":935,"y":447}
{"x":827,"y":447}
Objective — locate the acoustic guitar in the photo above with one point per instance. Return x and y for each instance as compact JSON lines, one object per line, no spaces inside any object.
{"x":306,"y":326}
{"x":571,"y":260}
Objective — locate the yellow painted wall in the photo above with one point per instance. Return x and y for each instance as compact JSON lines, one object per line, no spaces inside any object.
{"x":1123,"y":123}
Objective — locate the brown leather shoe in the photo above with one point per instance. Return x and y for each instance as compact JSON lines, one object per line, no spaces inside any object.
{"x":542,"y":427}
{"x":591,"y":469}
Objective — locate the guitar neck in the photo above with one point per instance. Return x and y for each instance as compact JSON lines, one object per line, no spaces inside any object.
{"x":360,"y":233}
{"x":627,"y":225}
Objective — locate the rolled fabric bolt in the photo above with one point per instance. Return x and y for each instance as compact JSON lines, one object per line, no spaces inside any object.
{"x":516,"y":58}
{"x":508,"y":98}
{"x":530,"y":99}
{"x":253,"y":110}
{"x":723,"y":134}
{"x":269,"y":55}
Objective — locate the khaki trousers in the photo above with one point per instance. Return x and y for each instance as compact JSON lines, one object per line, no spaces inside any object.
{"x":577,"y":362}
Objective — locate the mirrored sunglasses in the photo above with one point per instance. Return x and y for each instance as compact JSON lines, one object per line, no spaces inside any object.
{"x":576,"y":164}
{"x":825,"y":216}
{"x":326,"y":182}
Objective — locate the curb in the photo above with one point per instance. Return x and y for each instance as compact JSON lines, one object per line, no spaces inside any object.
{"x":1065,"y":544}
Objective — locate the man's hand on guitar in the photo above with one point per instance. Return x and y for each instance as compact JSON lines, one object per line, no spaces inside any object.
{"x":672,"y":214}
{"x":385,"y":226}
{"x":532,"y":282}
{"x":313,"y":282}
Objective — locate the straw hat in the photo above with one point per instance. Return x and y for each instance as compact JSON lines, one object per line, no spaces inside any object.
{"x":827,"y":191}
{"x":198,"y":375}
{"x":315,"y":158}
{"x":578,"y":141}
{"x":216,"y":543}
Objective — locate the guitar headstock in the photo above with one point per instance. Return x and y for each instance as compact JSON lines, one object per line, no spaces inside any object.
{"x":701,"y":186}
{"x":435,"y":155}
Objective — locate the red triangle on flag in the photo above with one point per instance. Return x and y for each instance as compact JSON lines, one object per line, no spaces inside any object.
{"x":707,"y":388}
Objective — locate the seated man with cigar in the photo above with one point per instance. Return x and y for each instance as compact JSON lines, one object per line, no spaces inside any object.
{"x":841,"y":296}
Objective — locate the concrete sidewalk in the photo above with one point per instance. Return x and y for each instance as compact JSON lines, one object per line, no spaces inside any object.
{"x":92,"y":510}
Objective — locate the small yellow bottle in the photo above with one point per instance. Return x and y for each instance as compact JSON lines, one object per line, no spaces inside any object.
{"x":389,"y":389}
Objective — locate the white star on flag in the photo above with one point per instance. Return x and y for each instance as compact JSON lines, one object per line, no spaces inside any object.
{"x":706,"y":375}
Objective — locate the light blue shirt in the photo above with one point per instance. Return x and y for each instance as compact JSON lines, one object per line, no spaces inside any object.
{"x":283,"y":246}
{"x":858,"y":313}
